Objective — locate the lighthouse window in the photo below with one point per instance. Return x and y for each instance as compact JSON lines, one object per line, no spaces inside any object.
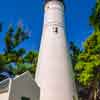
{"x":55,"y":29}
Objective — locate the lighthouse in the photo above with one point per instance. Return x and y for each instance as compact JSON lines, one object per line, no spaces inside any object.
{"x":54,"y":71}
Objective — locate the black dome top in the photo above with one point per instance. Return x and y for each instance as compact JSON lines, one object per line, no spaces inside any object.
{"x":53,"y":0}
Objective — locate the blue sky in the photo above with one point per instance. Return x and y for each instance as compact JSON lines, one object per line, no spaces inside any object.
{"x":77,"y":14}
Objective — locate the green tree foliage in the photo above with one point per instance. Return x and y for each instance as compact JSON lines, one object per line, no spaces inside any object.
{"x":74,"y":51}
{"x":28,"y":62}
{"x":95,"y":17}
{"x":14,"y":59}
{"x":88,"y":65}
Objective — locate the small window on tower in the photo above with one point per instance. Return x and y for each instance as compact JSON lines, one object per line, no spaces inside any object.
{"x":55,"y":29}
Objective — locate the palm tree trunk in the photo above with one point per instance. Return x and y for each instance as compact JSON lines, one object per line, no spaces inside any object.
{"x":93,"y":93}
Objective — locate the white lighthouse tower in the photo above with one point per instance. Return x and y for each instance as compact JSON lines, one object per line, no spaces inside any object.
{"x":54,"y":74}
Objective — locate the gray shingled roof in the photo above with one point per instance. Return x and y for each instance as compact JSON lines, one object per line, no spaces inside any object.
{"x":4,"y":85}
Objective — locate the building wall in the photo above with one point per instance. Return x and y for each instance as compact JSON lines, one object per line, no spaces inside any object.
{"x":4,"y":96}
{"x":24,"y":86}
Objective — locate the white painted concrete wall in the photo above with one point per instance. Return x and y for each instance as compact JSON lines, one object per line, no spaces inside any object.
{"x":54,"y":74}
{"x":4,"y":96}
{"x":24,"y":86}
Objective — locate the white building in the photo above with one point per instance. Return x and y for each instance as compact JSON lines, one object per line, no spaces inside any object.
{"x":22,"y":87}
